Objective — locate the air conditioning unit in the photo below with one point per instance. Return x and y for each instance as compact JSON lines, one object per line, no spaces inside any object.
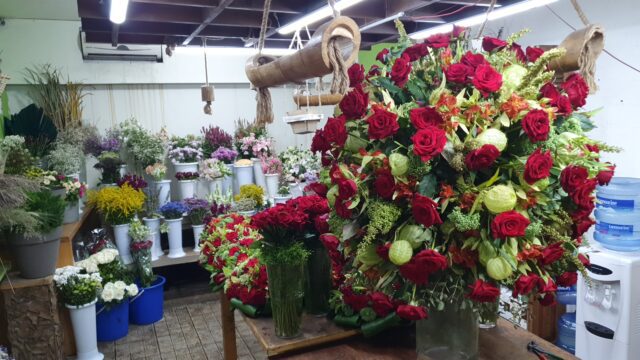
{"x":131,"y":52}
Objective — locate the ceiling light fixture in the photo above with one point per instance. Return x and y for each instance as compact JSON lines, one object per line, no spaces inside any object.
{"x":382,"y":21}
{"x":315,"y":16}
{"x":220,"y":50}
{"x":118,"y":11}
{"x":478,"y":19}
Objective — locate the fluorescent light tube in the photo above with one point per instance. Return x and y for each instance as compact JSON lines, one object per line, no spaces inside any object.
{"x":220,"y":50}
{"x":382,"y":21}
{"x":118,"y":11}
{"x":315,"y":16}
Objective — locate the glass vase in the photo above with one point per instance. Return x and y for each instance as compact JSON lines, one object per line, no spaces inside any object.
{"x":286,"y":292}
{"x":318,"y":279}
{"x":488,"y":314}
{"x":450,"y":334}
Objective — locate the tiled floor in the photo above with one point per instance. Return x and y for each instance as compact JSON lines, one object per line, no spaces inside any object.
{"x":190,"y":329}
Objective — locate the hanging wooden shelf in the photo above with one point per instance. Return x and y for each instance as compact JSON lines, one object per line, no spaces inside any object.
{"x":303,"y":121}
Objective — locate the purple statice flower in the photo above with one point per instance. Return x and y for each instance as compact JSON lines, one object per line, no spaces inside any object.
{"x":135,"y":181}
{"x":93,"y":146}
{"x":225,"y":155}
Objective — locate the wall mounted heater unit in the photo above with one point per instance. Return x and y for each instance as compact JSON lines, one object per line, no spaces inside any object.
{"x":103,"y":51}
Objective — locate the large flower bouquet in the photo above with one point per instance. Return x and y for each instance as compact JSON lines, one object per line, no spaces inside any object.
{"x":214,"y":138}
{"x":96,"y":145}
{"x":228,"y":254}
{"x":75,"y":286}
{"x":452,"y":173}
{"x":186,"y":149}
{"x":119,"y":205}
{"x":254,"y":146}
{"x":144,"y":147}
{"x":299,"y":165}
{"x":74,"y":189}
{"x":211,"y":169}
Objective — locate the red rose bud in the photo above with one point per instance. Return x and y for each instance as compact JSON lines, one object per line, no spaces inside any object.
{"x":429,"y":142}
{"x":548,"y":287}
{"x":425,"y":210}
{"x":423,"y":264}
{"x":458,"y":31}
{"x":424,"y":117}
{"x":473,"y":60}
{"x":538,"y":166}
{"x":381,"y":304}
{"x":525,"y":284}
{"x":356,"y":75}
{"x":482,"y":158}
{"x":582,"y":225}
{"x":547,"y":300}
{"x":219,"y":278}
{"x":400,"y":71}
{"x":536,"y":125}
{"x":384,"y":184}
{"x":437,"y":41}
{"x":567,"y":279}
{"x":604,"y":176}
{"x":347,"y":189}
{"x":382,"y":56}
{"x":509,"y":224}
{"x":564,"y":105}
{"x":487,"y":79}
{"x":517,"y":49}
{"x":573,"y":176}
{"x":321,"y":223}
{"x":550,"y":92}
{"x":582,"y":195}
{"x":489,"y":44}
{"x":577,"y":90}
{"x":342,"y":209}
{"x":458,"y":73}
{"x":383,"y":251}
{"x":411,"y":313}
{"x":482,"y":291}
{"x":335,"y":131}
{"x":416,"y":51}
{"x":533,"y":53}
{"x":330,"y":242}
{"x":382,"y":124}
{"x":552,"y":253}
{"x":584,"y":260}
{"x":356,"y":301}
{"x":354,"y":104}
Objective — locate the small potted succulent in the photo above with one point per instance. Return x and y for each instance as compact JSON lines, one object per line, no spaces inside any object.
{"x":162,"y":186}
{"x":185,"y":152}
{"x":214,"y":171}
{"x":197,"y":211}
{"x":187,"y":183}
{"x":272,"y":168}
{"x":227,"y":156}
{"x":173,"y":213}
{"x":283,"y":195}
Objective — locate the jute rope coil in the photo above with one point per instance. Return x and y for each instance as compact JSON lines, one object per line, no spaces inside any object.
{"x":264,"y":107}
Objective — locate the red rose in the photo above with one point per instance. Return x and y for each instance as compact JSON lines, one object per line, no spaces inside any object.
{"x":517,"y":49}
{"x":381,"y":304}
{"x":347,"y":189}
{"x":424,"y":117}
{"x":374,"y":70}
{"x":577,"y":89}
{"x":382,"y":124}
{"x":321,"y":224}
{"x":482,"y":158}
{"x":458,"y":73}
{"x":384,"y":184}
{"x":356,"y":75}
{"x":473,"y":60}
{"x":550,"y":92}
{"x":552,"y":253}
{"x":416,"y":51}
{"x":457,"y":31}
{"x":538,"y":166}
{"x":604,"y":176}
{"x":335,"y":130}
{"x":382,"y":56}
{"x":219,"y":278}
{"x":354,"y":104}
{"x":411,"y":313}
{"x":400,"y":71}
{"x":548,"y":287}
{"x":383,"y":251}
{"x":429,"y":142}
{"x":489,"y":44}
{"x":536,"y":125}
{"x":482,"y":291}
{"x":425,"y":210}
{"x":564,"y":105}
{"x":331,"y":243}
{"x":437,"y":41}
{"x":593,"y":148}
{"x":356,"y":301}
{"x":342,"y":209}
{"x":318,"y":188}
{"x":319,"y":142}
{"x":582,"y":195}
{"x":533,"y":53}
{"x":584,"y":260}
{"x":573,"y":176}
{"x":582,"y":225}
{"x":509,"y":224}
{"x":486,"y":79}
{"x":567,"y":279}
{"x":423,"y":264}
{"x":525,"y":284}
{"x":547,"y":300}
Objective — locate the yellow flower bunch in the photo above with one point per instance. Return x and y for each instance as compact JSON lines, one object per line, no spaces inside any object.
{"x":118,"y":204}
{"x":252,"y":191}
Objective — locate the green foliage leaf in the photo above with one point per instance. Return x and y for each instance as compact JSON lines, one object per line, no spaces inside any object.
{"x":428,"y":186}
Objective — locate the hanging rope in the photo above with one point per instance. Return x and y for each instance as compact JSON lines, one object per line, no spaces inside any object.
{"x":336,"y":12}
{"x":264,"y":107}
{"x":340,"y":81}
{"x":486,"y":18}
{"x":581,"y":13}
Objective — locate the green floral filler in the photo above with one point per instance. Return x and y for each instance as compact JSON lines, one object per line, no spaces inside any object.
{"x":382,"y":218}
{"x":464,"y":222}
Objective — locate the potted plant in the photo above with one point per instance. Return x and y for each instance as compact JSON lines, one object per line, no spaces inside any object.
{"x":283,"y":252}
{"x":74,"y":189}
{"x":243,"y":173}
{"x":187,"y":183}
{"x":119,"y":206}
{"x":197,"y":211}
{"x":134,"y":181}
{"x":109,"y":165}
{"x":173,"y":212}
{"x":185,"y":152}
{"x":214,"y":138}
{"x":256,"y":148}
{"x":272,"y":168}
{"x":214,"y":171}
{"x":7,"y":145}
{"x":151,"y":218}
{"x":253,"y":192}
{"x":298,"y":166}
{"x":245,"y":207}
{"x":157,"y":172}
{"x":227,"y":156}
{"x":284,"y":194}
{"x":142,"y":146}
{"x":146,"y":308}
{"x":65,"y":159}
{"x":79,"y":293}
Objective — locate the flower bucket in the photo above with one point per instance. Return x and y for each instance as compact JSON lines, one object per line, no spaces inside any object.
{"x":72,"y":213}
{"x":83,"y":320}
{"x":272,"y":180}
{"x":318,"y":282}
{"x":175,"y":238}
{"x":187,"y":188}
{"x":112,"y":323}
{"x":197,"y":230}
{"x":216,"y":184}
{"x":227,"y":183}
{"x":123,"y":170}
{"x":123,"y":241}
{"x":286,"y":292}
{"x":154,"y":227}
{"x":163,"y":189}
{"x":281,"y":199}
{"x":258,"y":174}
{"x":186,"y":167}
{"x":244,"y":175}
{"x":448,"y":334}
{"x":36,"y":256}
{"x":295,"y":189}
{"x":247,"y":213}
{"x":147,"y":308}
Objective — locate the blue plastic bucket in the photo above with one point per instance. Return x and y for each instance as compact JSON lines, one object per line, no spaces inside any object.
{"x":112,"y":323}
{"x":148,"y":308}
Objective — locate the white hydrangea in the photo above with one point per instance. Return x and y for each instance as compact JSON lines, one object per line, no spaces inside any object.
{"x":107,"y":293}
{"x":62,"y":275}
{"x":89,"y":265}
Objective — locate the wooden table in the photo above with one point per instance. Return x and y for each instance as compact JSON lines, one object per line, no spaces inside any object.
{"x":321,"y":340}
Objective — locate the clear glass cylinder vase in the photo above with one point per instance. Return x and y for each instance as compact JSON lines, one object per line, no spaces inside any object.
{"x":318,"y":280}
{"x":450,"y":334}
{"x":286,"y":292}
{"x":488,"y":314}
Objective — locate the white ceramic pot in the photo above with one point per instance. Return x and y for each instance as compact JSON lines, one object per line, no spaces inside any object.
{"x":154,"y":227}
{"x":258,"y":174}
{"x":185,"y":167}
{"x":163,"y":190}
{"x":187,"y":188}
{"x":281,"y":199}
{"x":272,"y":180}
{"x":83,"y":320}
{"x":227,"y":183}
{"x":123,"y":241}
{"x":175,"y":238}
{"x":215,"y":185}
{"x":102,"y":186}
{"x":72,"y":213}
{"x":197,"y":230}
{"x":244,"y":176}
{"x":247,"y":213}
{"x":74,"y":176}
{"x":295,"y":189}
{"x":123,"y":170}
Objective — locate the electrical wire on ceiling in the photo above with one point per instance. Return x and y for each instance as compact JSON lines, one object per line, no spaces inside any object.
{"x":444,"y":13}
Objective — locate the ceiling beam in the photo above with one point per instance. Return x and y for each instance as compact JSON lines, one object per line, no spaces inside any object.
{"x":247,"y":5}
{"x":212,"y":14}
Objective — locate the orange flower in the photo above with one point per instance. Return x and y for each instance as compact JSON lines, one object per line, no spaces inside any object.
{"x":446,"y":57}
{"x":514,"y":106}
{"x":446,"y":191}
{"x":531,"y":253}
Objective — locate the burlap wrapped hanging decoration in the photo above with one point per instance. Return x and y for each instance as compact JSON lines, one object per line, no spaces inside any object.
{"x":206,"y":90}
